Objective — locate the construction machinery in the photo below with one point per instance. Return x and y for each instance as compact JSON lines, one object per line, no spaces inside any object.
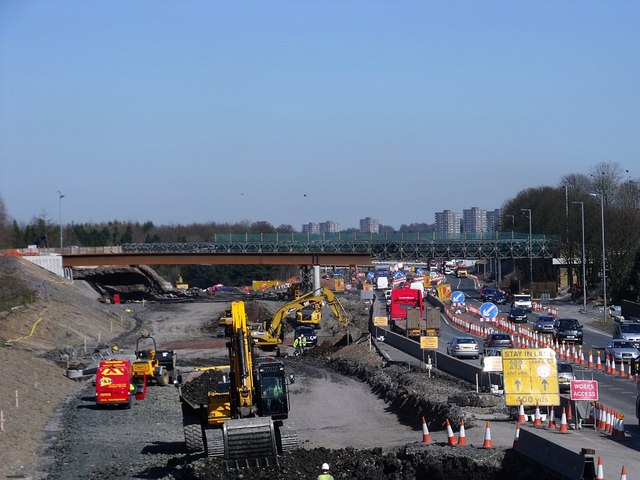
{"x":241,"y":415}
{"x":271,"y":335}
{"x":152,"y":364}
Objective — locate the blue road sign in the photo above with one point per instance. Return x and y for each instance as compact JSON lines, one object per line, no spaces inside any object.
{"x":419,"y":271}
{"x":457,"y":297}
{"x":371,"y":275}
{"x":488,"y":310}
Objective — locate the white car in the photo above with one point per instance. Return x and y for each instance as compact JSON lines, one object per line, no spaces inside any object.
{"x":615,"y":312}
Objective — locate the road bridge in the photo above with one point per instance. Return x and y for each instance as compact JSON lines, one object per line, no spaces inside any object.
{"x":320,"y":249}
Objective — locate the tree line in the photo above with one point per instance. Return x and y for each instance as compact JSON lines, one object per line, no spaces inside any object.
{"x":555,"y":210}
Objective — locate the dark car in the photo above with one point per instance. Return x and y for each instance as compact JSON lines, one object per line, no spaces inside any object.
{"x":309,"y":333}
{"x":498,"y":340}
{"x":487,"y":293}
{"x":544,"y":324}
{"x":517,"y":315}
{"x":567,"y":330}
{"x":500,"y":298}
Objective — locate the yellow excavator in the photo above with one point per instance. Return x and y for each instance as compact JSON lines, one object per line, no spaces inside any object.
{"x":272,"y":333}
{"x":242,"y":417}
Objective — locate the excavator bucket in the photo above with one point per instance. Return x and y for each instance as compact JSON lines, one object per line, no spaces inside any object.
{"x":250,"y":442}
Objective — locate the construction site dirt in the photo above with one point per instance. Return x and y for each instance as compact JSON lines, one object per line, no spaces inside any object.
{"x":350,"y":408}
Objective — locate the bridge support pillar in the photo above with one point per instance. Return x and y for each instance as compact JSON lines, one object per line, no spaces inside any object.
{"x":317,"y":285}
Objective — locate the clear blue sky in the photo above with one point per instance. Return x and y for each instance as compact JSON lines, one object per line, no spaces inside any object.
{"x":306,"y":111}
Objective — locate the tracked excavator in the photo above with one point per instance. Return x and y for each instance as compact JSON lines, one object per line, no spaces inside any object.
{"x":241,"y":417}
{"x":272,"y":333}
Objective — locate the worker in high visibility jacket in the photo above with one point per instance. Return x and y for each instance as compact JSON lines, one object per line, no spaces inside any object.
{"x":299,"y":344}
{"x":325,"y":475}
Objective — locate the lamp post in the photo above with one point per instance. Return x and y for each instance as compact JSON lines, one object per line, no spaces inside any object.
{"x":604,"y":257}
{"x":528,"y":212}
{"x":60,"y":197}
{"x":584,"y":262}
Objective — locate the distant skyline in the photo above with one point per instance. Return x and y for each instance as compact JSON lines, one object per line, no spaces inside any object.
{"x":296,"y":112}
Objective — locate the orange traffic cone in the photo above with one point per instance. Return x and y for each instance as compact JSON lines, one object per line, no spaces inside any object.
{"x":569,"y":414}
{"x":426,"y":437}
{"x":563,"y":422}
{"x":537,"y":420}
{"x":622,"y":371}
{"x":623,"y":473}
{"x":590,"y":359}
{"x":521,"y":417}
{"x":487,"y":437}
{"x":517,"y":435}
{"x":462,"y":438}
{"x":600,"y":472}
{"x":552,"y":419}
{"x":450,"y":436}
{"x":598,"y":362}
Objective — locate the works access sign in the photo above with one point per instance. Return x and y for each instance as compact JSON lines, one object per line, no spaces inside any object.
{"x":584,"y":390}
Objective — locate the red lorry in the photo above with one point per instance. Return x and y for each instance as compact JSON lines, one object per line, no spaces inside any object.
{"x":403,"y":299}
{"x":113,"y":383}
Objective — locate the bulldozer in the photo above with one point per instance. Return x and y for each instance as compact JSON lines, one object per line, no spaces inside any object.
{"x":241,"y":418}
{"x":151,"y":364}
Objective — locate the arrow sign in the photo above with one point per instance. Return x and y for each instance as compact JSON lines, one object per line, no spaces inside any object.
{"x":488,"y":310}
{"x":457,"y":297}
{"x":371,"y":275}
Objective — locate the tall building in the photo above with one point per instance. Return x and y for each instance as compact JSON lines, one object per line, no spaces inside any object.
{"x":447,"y":223}
{"x":474,"y":220}
{"x":329,"y":227}
{"x":310,"y":228}
{"x":369,"y":225}
{"x":494,"y":220}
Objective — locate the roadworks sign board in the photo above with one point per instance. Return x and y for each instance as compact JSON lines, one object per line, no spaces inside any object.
{"x":584,"y":390}
{"x":430,"y":343}
{"x":530,"y":376}
{"x":380,"y":321}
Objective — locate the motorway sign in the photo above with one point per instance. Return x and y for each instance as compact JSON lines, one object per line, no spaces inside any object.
{"x":488,"y":310}
{"x":457,"y":297}
{"x":584,"y":390}
{"x":530,"y":376}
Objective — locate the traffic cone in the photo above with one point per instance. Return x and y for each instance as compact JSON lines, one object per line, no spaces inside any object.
{"x":618,"y":428}
{"x":582,"y":362}
{"x":450,"y":436}
{"x":517,"y":435}
{"x":564,"y":428}
{"x":600,"y":472}
{"x":623,"y":473}
{"x":622,"y":372}
{"x":598,"y":362}
{"x":462,"y":437}
{"x":607,"y":421}
{"x":521,"y":416}
{"x":630,"y":376}
{"x":537,"y":421}
{"x":569,"y":412}
{"x":552,"y":419}
{"x":591,"y":420}
{"x":601,"y":417}
{"x":487,"y":437}
{"x":590,"y":359}
{"x":426,"y":437}
{"x":613,"y":369}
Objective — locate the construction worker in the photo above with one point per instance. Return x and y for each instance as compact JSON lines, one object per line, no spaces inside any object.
{"x":299,"y":344}
{"x":325,"y":475}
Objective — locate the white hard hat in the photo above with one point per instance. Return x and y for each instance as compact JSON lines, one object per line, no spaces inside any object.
{"x":325,"y":466}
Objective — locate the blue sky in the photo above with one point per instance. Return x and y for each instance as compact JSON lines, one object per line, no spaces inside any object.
{"x":306,"y":111}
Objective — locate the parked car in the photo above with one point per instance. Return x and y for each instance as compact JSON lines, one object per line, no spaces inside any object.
{"x":622,"y":350}
{"x":463,"y":347}
{"x":309,"y":333}
{"x":565,"y":375}
{"x":629,"y":331}
{"x":497,"y":340}
{"x":567,"y":330}
{"x":544,"y":324}
{"x":517,"y":315}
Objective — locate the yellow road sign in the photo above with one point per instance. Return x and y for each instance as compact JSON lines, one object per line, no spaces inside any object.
{"x":430,"y":343}
{"x":530,"y":375}
{"x":380,"y":321}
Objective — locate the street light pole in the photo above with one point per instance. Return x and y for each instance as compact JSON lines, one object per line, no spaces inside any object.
{"x":60,"y":197}
{"x":604,"y":256}
{"x":528,"y":211}
{"x":584,"y":262}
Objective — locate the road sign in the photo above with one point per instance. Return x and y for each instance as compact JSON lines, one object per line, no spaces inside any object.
{"x":584,"y":390}
{"x":380,"y":321}
{"x":492,"y":364}
{"x":457,"y":297}
{"x":430,"y":343}
{"x":530,"y":375}
{"x":371,"y":275}
{"x":488,"y":310}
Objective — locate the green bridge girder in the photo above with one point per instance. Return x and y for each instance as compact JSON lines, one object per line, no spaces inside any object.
{"x":382,"y":247}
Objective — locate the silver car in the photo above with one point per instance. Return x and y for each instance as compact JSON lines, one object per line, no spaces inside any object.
{"x":544,"y":324}
{"x":565,"y":375}
{"x":622,"y":350}
{"x":466,"y":347}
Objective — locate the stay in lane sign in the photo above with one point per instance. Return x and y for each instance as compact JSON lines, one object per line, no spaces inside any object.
{"x":530,"y":376}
